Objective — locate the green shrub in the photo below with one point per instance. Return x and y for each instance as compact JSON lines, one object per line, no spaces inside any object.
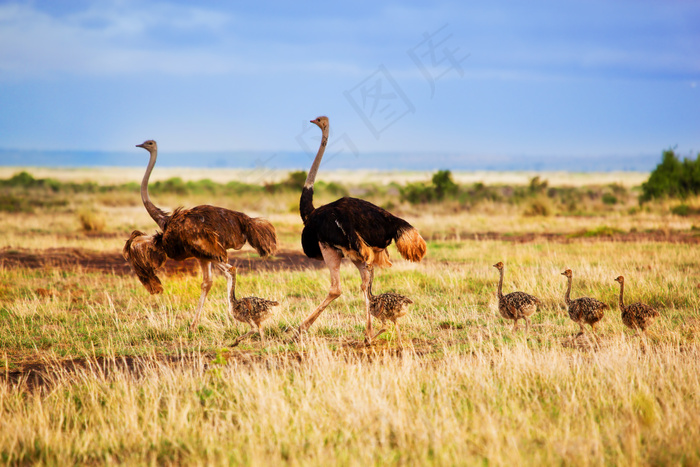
{"x":602,"y":231}
{"x":171,"y":185}
{"x":295,"y":180}
{"x":440,"y":187}
{"x":443,"y":184}
{"x":417,"y":193}
{"x":537,"y":185}
{"x":9,"y":203}
{"x":609,"y":198}
{"x":684,"y":210}
{"x":22,"y":179}
{"x":672,"y":178}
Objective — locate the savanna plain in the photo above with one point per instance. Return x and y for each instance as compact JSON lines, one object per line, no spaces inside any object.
{"x":94,"y":370}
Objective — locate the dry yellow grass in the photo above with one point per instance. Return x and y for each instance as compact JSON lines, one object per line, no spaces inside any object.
{"x":466,"y":389}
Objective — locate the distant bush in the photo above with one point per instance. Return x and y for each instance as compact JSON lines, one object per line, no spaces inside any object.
{"x":440,"y":187}
{"x":443,"y":184}
{"x":417,"y":193}
{"x":681,"y":210}
{"x":609,"y":198}
{"x":684,"y":210}
{"x":602,"y":231}
{"x":22,"y":179}
{"x":672,"y":178}
{"x":295,"y":180}
{"x":90,"y":221}
{"x":537,"y":185}
{"x":9,"y":203}
{"x":540,"y":206}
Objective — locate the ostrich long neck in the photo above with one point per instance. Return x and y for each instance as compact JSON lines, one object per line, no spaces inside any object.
{"x":156,"y":213}
{"x":567,"y":297}
{"x":622,"y":292}
{"x":306,"y":204}
{"x":500,"y":284}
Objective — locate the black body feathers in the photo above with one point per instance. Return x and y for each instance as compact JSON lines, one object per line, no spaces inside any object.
{"x":346,"y":223}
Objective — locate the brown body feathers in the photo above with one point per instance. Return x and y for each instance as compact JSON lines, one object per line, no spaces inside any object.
{"x":515,"y":305}
{"x":636,"y":316}
{"x":584,"y":310}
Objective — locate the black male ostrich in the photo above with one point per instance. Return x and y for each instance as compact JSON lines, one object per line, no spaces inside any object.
{"x":203,"y":232}
{"x":351,"y":228}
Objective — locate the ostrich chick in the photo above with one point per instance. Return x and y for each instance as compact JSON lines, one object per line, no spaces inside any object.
{"x":387,"y":306}
{"x":637,"y":315}
{"x":583,"y":310}
{"x":250,"y":310}
{"x":515,"y":305}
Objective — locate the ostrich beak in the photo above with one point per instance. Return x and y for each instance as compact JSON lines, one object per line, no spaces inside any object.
{"x":139,"y":145}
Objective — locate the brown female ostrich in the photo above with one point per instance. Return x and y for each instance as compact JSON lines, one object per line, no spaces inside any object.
{"x":584,"y":310}
{"x":351,"y":228}
{"x":515,"y":305}
{"x":387,"y":306}
{"x":203,"y":232}
{"x":250,"y":310}
{"x":637,"y":315}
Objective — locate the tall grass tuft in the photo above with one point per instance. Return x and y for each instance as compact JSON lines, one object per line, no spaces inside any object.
{"x":90,"y":220}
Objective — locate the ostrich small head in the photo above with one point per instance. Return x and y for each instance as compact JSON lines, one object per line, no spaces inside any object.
{"x":567,"y":273}
{"x":620,"y":279}
{"x":321,"y":122}
{"x":498,"y":266}
{"x":149,"y":145}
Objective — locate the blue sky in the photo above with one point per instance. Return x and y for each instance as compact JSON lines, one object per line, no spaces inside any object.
{"x":519,"y":79}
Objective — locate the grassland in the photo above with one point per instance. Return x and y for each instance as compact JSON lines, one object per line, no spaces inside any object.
{"x":95,"y":370}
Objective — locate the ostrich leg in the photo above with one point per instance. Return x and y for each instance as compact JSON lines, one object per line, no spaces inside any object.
{"x":262,"y":334}
{"x":332,"y":258}
{"x":228,"y":271}
{"x":366,"y":275}
{"x":240,"y":338}
{"x":206,"y":287}
{"x":380,"y":332}
{"x":398,"y":334}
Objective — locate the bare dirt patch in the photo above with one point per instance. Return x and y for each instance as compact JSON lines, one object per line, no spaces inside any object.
{"x":113,"y":262}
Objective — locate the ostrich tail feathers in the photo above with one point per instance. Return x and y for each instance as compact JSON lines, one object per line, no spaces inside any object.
{"x":411,"y":245}
{"x":261,"y":236}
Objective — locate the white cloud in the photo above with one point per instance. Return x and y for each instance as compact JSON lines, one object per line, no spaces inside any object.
{"x":114,"y":37}
{"x":109,"y":37}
